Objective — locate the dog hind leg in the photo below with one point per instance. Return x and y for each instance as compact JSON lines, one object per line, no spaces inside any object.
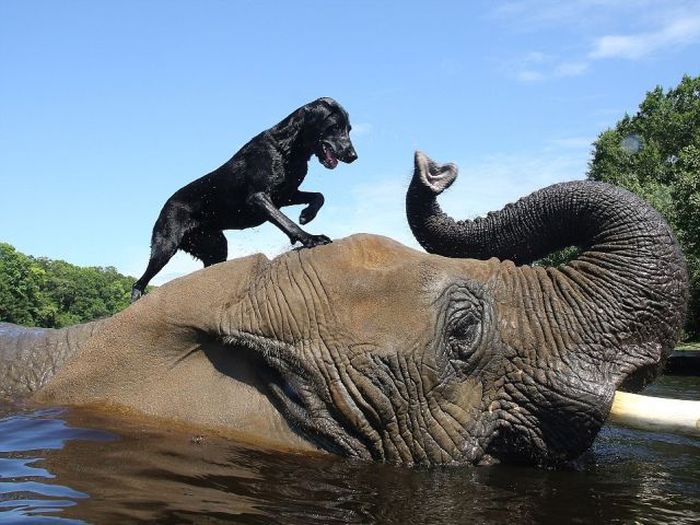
{"x":170,"y":229}
{"x":162,"y":250}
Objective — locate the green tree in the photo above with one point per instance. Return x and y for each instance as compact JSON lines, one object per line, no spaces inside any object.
{"x":656,"y":154}
{"x":52,"y":293}
{"x":21,"y":299}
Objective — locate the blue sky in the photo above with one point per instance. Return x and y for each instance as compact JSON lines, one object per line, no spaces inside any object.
{"x":107,"y":108}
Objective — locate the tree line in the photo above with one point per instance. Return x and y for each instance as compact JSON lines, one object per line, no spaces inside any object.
{"x":36,"y":291}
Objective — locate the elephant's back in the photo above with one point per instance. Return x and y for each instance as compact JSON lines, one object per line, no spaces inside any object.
{"x":30,"y":356}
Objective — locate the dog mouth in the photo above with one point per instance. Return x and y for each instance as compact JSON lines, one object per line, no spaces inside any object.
{"x":327,"y":156}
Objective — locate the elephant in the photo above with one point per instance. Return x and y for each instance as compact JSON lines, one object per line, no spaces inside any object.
{"x":373,"y":350}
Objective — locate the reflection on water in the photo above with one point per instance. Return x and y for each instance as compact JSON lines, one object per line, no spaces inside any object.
{"x":57,"y":467}
{"x":26,"y":494}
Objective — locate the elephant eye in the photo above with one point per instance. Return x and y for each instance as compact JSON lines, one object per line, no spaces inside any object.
{"x":468,"y":326}
{"x":465,"y":327}
{"x":463,"y":332}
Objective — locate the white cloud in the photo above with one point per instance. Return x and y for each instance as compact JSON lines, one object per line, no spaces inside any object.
{"x":538,"y":67}
{"x":675,"y":34}
{"x":659,"y":27}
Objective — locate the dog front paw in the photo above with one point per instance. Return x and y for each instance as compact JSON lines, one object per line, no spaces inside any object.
{"x":307,"y":214}
{"x":315,"y":240}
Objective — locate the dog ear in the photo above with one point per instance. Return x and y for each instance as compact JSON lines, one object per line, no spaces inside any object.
{"x":334,"y":107}
{"x":330,"y":103}
{"x":320,"y":109}
{"x":316,"y":112}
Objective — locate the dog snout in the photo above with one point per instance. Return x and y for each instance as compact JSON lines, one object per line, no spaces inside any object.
{"x":350,"y":155}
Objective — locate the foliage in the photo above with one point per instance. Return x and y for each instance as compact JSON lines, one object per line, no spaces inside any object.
{"x":559,"y":257}
{"x":656,"y":154}
{"x":52,"y":293}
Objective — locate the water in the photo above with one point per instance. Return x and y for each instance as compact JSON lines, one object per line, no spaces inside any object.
{"x":77,"y":466}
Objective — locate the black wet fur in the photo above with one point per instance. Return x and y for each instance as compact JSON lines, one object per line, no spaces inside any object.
{"x":249,"y":189}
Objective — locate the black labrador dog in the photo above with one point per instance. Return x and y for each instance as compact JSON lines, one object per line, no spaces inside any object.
{"x":251,"y":188}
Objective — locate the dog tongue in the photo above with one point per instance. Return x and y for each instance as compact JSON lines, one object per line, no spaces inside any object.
{"x":331,"y":160}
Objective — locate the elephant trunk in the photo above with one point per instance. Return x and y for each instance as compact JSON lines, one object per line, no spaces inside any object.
{"x":628,"y":287}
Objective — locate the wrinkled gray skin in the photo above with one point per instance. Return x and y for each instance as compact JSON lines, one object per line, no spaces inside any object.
{"x":372,"y":350}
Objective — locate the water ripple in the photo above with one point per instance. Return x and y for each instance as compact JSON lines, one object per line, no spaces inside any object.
{"x":54,"y":468}
{"x":26,"y":494}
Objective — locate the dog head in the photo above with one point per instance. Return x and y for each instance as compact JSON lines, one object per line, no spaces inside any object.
{"x":329,"y":125}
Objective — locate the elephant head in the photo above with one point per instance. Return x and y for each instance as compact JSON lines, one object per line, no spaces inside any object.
{"x":567,"y":336}
{"x":370,"y":349}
